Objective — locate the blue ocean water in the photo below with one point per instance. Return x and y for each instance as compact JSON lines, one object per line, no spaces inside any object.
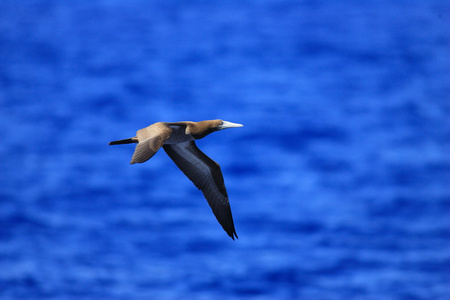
{"x":338,"y":183}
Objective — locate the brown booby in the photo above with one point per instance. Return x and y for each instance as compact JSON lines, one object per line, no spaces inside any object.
{"x":178,"y":141}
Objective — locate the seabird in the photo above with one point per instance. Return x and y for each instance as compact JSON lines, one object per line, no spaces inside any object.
{"x":178,"y":141}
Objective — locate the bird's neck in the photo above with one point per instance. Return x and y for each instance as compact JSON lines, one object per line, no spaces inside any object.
{"x":200,"y":135}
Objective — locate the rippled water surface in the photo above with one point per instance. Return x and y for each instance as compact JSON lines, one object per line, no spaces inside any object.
{"x":338,"y":182}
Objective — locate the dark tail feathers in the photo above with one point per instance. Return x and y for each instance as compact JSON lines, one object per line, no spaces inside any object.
{"x":125,"y":141}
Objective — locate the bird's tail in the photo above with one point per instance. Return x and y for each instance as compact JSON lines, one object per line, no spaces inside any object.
{"x":125,"y":141}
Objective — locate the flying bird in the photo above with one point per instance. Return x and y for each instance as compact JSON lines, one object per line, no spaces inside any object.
{"x":178,"y":141}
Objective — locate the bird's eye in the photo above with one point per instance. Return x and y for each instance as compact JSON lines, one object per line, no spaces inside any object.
{"x":221,"y":123}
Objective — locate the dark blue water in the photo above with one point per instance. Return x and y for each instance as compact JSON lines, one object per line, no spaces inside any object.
{"x":338,"y":183}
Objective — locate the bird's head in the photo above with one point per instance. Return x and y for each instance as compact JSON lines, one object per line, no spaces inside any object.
{"x":203,"y":128}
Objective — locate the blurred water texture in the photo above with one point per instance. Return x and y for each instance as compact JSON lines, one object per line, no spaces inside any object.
{"x":338,"y":182}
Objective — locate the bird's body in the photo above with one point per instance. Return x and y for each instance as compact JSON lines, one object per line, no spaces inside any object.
{"x":178,"y":141}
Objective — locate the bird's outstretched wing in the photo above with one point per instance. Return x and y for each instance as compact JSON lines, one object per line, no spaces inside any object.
{"x":207,"y":176}
{"x":150,"y":139}
{"x":146,"y":149}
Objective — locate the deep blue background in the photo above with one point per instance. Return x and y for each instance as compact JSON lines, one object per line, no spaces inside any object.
{"x":339,"y":181}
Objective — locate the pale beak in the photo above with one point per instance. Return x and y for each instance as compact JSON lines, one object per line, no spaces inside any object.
{"x":226,"y":125}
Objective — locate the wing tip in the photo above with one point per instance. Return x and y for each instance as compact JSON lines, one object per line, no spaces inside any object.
{"x":233,"y":234}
